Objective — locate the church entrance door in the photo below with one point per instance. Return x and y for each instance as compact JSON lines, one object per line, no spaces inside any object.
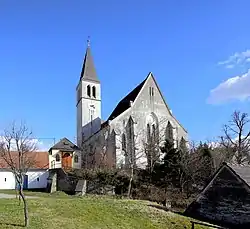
{"x":66,"y":161}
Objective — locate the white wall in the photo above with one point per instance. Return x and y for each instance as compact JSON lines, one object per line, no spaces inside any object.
{"x":10,"y":180}
{"x":52,"y":158}
{"x":79,"y":164}
{"x":32,"y":179}
{"x":58,"y":164}
{"x":141,"y":111}
{"x":84,"y":105}
{"x":34,"y":182}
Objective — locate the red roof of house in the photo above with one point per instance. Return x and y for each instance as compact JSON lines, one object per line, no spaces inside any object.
{"x":36,"y":159}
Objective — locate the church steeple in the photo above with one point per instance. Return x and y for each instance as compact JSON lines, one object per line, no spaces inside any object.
{"x":88,"y":103}
{"x":88,"y":68}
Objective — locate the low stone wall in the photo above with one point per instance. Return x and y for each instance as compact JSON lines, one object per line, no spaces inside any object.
{"x":93,"y":187}
{"x":59,"y":180}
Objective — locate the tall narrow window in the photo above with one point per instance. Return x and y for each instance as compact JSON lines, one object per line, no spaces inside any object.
{"x":148,"y":133}
{"x":76,"y":158}
{"x":57,"y":157}
{"x":130,"y":139}
{"x":169,"y":133}
{"x":91,"y":116}
{"x":153,"y":134}
{"x":124,"y":144}
{"x":152,"y":91}
{"x":94,"y":91}
{"x":88,"y":90}
{"x":183,"y":145}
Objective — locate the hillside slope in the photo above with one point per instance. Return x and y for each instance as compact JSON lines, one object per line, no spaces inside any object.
{"x":89,"y":212}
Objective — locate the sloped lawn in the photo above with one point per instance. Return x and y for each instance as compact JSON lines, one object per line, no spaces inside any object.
{"x":88,"y":212}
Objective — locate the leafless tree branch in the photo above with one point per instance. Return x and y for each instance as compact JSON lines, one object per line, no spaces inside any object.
{"x":17,"y":153}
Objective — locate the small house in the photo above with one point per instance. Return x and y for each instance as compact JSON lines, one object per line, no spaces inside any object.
{"x":225,"y":201}
{"x":35,"y":177}
{"x":65,"y":155}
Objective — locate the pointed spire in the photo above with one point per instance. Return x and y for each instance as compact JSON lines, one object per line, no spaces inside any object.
{"x":88,"y":68}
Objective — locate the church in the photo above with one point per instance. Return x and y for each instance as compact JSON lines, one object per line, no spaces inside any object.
{"x":131,"y":135}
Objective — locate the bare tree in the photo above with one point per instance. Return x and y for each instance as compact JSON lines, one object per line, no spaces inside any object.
{"x":154,"y":140}
{"x":17,"y":151}
{"x":132,"y":155}
{"x":97,"y":150}
{"x":236,"y":137}
{"x":98,"y":160}
{"x":141,"y":148}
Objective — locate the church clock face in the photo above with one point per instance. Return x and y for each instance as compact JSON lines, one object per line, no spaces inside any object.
{"x":92,"y":107}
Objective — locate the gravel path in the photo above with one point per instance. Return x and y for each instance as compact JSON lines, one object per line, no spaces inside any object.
{"x":11,"y":196}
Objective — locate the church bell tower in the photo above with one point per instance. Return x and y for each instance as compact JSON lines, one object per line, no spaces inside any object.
{"x":88,"y":100}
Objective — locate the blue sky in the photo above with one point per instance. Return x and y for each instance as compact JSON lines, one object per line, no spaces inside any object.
{"x":186,"y":44}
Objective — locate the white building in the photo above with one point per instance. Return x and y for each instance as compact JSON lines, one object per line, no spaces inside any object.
{"x":141,"y":115}
{"x":65,"y":154}
{"x":35,"y":178}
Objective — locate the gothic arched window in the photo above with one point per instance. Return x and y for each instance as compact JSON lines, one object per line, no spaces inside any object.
{"x":124,"y":144}
{"x":183,"y":145}
{"x":76,"y":158}
{"x":94,"y":91}
{"x":88,"y":90}
{"x":169,"y":133}
{"x":148,"y":133}
{"x":57,"y":157}
{"x":153,"y":133}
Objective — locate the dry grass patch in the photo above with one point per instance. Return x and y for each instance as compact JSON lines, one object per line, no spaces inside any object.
{"x":89,"y":212}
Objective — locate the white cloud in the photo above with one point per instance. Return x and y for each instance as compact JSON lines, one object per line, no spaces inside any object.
{"x":215,"y":144}
{"x":239,"y":58}
{"x":235,"y":88}
{"x":40,"y":145}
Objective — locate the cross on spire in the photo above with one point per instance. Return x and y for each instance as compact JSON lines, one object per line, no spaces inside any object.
{"x":88,"y":41}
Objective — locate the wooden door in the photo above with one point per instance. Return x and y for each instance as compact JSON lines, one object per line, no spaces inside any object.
{"x":66,"y":161}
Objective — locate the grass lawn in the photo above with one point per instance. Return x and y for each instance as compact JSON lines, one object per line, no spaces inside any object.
{"x":61,"y":211}
{"x":28,"y":193}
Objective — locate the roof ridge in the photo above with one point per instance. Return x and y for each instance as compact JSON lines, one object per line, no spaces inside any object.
{"x":124,"y":103}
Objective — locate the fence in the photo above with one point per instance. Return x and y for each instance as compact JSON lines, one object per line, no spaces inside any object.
{"x":205,"y":224}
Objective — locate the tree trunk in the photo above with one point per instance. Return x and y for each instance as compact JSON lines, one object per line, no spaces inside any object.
{"x":130,"y":182}
{"x":25,"y":209}
{"x":16,"y":191}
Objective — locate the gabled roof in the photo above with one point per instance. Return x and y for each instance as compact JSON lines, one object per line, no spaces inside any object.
{"x":243,"y":171}
{"x":221,"y":180}
{"x":124,"y":104}
{"x":65,"y":145}
{"x":34,"y":160}
{"x":88,"y":68}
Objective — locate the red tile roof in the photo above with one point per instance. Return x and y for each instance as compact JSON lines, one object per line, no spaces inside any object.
{"x":37,"y":159}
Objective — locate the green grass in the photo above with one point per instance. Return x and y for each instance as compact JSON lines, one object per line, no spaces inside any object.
{"x":34,"y":193}
{"x":60,"y":211}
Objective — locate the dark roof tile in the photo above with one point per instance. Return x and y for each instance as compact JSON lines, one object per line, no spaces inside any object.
{"x":242,"y":171}
{"x":88,"y":68}
{"x":124,"y":104}
{"x":65,"y":145}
